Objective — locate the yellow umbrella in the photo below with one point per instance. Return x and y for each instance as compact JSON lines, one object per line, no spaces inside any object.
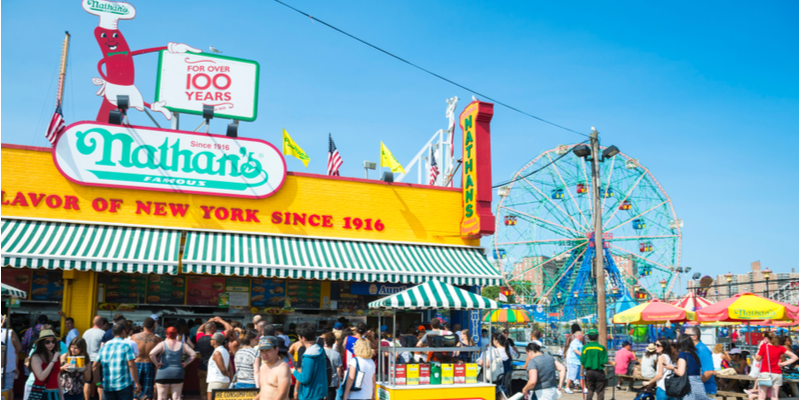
{"x":653,"y":313}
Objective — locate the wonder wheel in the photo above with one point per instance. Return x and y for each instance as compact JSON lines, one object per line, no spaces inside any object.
{"x":543,"y":241}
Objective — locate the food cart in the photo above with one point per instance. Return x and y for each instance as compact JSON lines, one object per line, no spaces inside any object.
{"x":404,"y":383}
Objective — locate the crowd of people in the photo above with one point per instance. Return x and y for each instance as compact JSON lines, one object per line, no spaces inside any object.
{"x":125,"y":361}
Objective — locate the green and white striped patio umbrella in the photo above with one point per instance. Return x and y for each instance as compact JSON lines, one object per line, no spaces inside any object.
{"x":435,"y":294}
{"x":8,"y":291}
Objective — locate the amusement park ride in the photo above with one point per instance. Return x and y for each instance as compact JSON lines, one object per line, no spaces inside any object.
{"x":544,"y":241}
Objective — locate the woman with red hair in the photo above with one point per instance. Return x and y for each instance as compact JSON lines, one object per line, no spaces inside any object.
{"x":170,"y":367}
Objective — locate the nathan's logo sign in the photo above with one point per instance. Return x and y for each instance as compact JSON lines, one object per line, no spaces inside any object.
{"x":189,"y":81}
{"x":95,"y":154}
{"x":99,"y":6}
{"x":757,"y":314}
{"x":476,"y":172}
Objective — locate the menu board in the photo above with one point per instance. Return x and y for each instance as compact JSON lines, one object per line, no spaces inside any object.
{"x":47,"y":285}
{"x":304,"y":294}
{"x":165,"y":289}
{"x":204,"y":290}
{"x":18,"y":279}
{"x":349,"y":303}
{"x":267,"y":292}
{"x":238,"y":290}
{"x":124,"y":288}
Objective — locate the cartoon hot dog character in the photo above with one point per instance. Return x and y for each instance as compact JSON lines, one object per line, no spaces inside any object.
{"x":118,"y":77}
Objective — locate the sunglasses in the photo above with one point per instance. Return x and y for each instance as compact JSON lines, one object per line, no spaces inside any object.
{"x":49,"y":342}
{"x":658,"y":345}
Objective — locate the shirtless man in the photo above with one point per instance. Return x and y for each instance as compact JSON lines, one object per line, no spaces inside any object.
{"x":146,"y":341}
{"x":274,"y":377}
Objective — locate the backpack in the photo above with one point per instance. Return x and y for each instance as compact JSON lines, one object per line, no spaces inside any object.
{"x":677,"y":386}
{"x":333,"y":377}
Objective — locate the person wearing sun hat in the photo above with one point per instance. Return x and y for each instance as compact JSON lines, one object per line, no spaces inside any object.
{"x":649,"y":360}
{"x":45,"y":365}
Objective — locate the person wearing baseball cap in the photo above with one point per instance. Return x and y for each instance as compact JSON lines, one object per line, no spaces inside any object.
{"x":274,"y":376}
{"x":594,"y":356}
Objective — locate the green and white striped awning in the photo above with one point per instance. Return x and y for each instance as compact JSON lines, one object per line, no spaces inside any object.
{"x":434,"y":295}
{"x":84,"y":247}
{"x":9,"y":291}
{"x":347,"y":260}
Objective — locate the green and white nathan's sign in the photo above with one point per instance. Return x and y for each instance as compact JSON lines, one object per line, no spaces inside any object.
{"x":90,"y":153}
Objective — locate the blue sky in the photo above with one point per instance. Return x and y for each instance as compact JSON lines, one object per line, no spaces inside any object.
{"x":704,"y":94}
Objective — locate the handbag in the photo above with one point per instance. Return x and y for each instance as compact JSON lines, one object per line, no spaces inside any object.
{"x":765,"y":378}
{"x":755,"y":369}
{"x":677,"y":386}
{"x":496,"y":367}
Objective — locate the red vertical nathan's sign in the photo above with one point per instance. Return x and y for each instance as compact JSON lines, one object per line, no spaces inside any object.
{"x":476,"y":172}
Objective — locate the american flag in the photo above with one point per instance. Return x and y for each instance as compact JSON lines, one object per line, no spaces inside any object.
{"x":56,"y":126}
{"x":434,"y":170}
{"x":334,"y":159}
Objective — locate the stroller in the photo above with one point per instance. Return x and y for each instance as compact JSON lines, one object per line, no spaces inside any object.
{"x":645,"y":394}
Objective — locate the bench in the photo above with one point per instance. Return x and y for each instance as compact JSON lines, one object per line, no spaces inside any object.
{"x":632,"y":378}
{"x":724,"y":394}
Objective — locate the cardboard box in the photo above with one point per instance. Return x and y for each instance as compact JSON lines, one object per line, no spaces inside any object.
{"x":424,"y":374}
{"x":471,"y":372}
{"x":400,"y":374}
{"x":447,"y":374}
{"x":436,"y":373}
{"x":412,"y":374}
{"x":459,"y":374}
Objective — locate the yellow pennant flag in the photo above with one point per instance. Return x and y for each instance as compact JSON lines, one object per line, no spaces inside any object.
{"x":388,"y":160}
{"x":290,"y":148}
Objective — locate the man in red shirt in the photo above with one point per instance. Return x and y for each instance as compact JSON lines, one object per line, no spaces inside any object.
{"x":622,"y":360}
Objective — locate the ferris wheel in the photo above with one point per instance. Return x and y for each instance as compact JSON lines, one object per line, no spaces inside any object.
{"x":544,"y":242}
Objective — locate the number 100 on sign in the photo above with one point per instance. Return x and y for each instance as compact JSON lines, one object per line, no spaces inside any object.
{"x":189,"y":81}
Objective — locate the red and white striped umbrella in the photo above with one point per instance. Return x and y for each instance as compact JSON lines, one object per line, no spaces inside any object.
{"x":692,"y":302}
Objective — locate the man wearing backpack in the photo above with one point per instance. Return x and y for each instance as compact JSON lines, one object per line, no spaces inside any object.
{"x":594,"y":357}
{"x":334,"y":365}
{"x":312,"y":377}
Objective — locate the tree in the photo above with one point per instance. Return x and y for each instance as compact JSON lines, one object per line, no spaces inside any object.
{"x":490,"y":292}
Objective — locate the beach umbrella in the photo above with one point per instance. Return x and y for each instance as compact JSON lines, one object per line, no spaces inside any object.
{"x":691,"y":302}
{"x":747,"y":307}
{"x":652,"y":313}
{"x":508,"y":315}
{"x":9,"y":291}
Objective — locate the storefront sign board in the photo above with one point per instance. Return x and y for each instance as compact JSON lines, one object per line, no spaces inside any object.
{"x":377,"y":289}
{"x":18,"y":279}
{"x":189,"y":81}
{"x":267,"y":292}
{"x":409,"y":213}
{"x":162,"y":289}
{"x":204,"y":290}
{"x":47,"y":285}
{"x":124,"y":288}
{"x":476,"y":171}
{"x":105,"y":155}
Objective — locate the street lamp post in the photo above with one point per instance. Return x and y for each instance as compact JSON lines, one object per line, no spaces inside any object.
{"x":663,"y":289}
{"x":729,"y":279}
{"x":599,"y":271}
{"x":767,"y":272}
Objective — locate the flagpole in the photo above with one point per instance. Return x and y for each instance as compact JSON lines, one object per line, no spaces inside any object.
{"x":63,"y":70}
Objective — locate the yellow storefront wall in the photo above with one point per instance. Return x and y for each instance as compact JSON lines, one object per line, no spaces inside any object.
{"x":33,"y":188}
{"x":80,"y":298}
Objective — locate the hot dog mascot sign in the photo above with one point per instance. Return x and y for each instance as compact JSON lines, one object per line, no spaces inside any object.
{"x":118,"y":78}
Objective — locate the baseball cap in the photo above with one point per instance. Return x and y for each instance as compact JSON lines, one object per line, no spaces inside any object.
{"x":421,"y":328}
{"x":154,"y":317}
{"x":337,"y":326}
{"x":735,"y":351}
{"x":384,"y":328}
{"x":626,"y":343}
{"x":267,"y":343}
{"x":592,"y":332}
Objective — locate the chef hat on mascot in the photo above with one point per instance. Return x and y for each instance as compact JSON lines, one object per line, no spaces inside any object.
{"x":110,"y":12}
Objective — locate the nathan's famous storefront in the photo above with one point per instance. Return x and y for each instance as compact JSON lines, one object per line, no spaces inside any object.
{"x":313,"y":249}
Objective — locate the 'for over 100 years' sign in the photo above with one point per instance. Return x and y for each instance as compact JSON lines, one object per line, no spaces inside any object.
{"x":94,"y":154}
{"x":189,"y":81}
